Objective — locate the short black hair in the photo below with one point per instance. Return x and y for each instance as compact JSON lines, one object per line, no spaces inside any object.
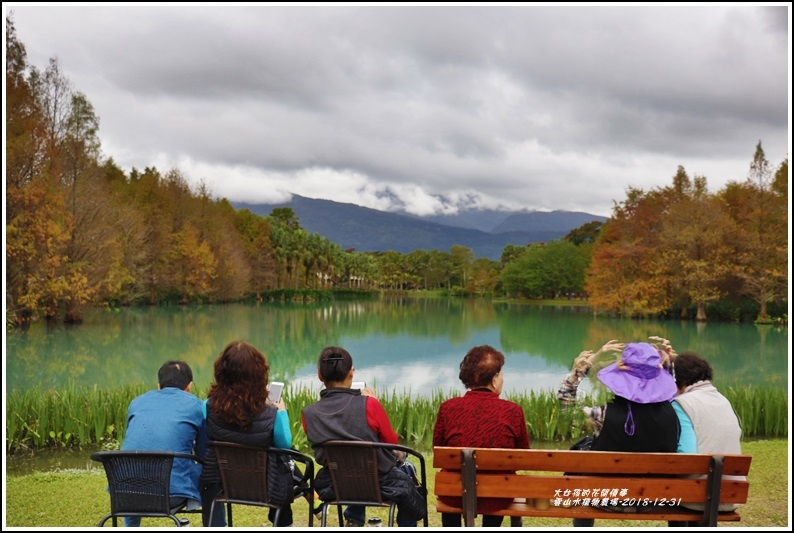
{"x":334,"y":364}
{"x":175,"y":374}
{"x":691,"y":368}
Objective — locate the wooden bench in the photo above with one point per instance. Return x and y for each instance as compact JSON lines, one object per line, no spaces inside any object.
{"x":541,"y":483}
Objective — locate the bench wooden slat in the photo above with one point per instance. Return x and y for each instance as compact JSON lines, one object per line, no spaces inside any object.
{"x":589,"y":461}
{"x":521,"y":508}
{"x":549,"y":486}
{"x":556,"y":476}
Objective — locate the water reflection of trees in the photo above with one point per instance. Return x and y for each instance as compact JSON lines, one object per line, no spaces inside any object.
{"x":128,"y":345}
{"x":738,"y":353}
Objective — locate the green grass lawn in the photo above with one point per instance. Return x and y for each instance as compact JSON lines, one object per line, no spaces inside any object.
{"x":77,"y":498}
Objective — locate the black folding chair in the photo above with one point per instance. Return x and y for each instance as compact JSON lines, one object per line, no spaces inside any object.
{"x":353,"y":466}
{"x":243,"y":471}
{"x":139,"y":484}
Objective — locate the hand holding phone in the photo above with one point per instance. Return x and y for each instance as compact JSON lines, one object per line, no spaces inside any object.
{"x":275,"y":389}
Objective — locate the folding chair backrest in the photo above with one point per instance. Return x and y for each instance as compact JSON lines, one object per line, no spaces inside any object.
{"x":243,"y":472}
{"x":138,"y":481}
{"x":354,"y":471}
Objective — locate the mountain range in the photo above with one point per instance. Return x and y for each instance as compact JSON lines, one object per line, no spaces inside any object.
{"x":485,"y":232}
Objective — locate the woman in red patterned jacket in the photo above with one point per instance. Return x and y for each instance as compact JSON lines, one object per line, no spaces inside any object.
{"x":480,"y":419}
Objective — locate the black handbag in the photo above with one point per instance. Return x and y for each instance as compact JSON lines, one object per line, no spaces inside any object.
{"x":585,"y":443}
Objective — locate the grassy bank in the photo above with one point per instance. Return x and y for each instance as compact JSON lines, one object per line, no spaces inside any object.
{"x":77,"y":498}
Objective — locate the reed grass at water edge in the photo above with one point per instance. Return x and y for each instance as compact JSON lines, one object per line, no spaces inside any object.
{"x":92,"y":417}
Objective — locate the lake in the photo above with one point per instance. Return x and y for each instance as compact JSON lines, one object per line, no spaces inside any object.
{"x":398,"y":344}
{"x":405,"y":345}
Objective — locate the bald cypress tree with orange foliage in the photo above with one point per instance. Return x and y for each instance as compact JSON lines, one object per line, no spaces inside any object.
{"x":695,"y":246}
{"x":37,"y":224}
{"x":680,"y":246}
{"x":625,"y":276}
{"x":759,"y":206}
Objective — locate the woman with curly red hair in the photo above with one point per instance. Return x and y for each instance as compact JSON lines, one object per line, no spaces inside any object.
{"x":238,"y":411}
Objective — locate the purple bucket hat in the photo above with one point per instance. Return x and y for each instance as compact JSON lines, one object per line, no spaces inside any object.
{"x":643,"y":380}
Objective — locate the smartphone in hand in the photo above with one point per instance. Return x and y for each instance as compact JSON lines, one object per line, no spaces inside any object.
{"x":275,"y":389}
{"x":359,"y":385}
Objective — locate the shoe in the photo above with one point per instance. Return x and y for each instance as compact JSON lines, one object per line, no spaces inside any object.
{"x":300,"y":492}
{"x":352,"y":523}
{"x":318,"y":510}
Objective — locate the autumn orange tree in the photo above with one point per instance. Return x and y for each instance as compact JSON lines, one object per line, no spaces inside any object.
{"x":681,"y":246}
{"x":626,"y":275}
{"x":762,"y":256}
{"x":255,"y":233}
{"x":80,"y":231}
{"x":37,"y":222}
{"x":695,"y":249}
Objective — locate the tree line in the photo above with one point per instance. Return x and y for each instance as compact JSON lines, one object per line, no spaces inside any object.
{"x":82,"y":232}
{"x":682,"y":248}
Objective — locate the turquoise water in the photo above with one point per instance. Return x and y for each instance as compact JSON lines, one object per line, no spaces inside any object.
{"x":403,"y":345}
{"x":406,"y":345}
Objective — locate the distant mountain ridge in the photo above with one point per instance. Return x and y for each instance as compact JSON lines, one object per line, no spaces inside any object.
{"x":370,"y":230}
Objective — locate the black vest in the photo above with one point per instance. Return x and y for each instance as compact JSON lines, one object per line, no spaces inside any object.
{"x":655,"y":427}
{"x":341,"y":414}
{"x":260,"y":434}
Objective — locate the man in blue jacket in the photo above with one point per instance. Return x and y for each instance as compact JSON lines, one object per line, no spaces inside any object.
{"x":170,"y":419}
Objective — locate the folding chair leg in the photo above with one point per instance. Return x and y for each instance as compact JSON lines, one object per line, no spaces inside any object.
{"x":113,"y":520}
{"x":212,"y":511}
{"x":324,"y":514}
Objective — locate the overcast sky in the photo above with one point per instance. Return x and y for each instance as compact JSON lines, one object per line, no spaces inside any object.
{"x":428,"y":108}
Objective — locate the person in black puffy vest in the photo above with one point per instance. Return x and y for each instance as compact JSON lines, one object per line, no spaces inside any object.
{"x":238,"y":411}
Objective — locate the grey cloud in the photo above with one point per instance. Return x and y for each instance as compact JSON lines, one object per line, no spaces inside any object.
{"x":537,"y":106}
{"x":776,"y":19}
